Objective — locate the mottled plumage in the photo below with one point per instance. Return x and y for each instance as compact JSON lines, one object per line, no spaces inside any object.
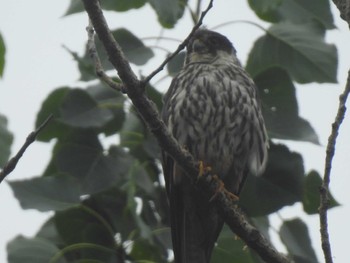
{"x":212,"y":109}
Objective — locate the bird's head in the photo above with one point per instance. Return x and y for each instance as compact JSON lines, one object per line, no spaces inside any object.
{"x":207,"y":46}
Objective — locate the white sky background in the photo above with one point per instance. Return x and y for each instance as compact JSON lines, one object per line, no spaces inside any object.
{"x":36,"y":64}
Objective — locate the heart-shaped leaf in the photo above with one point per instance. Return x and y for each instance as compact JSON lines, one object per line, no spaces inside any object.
{"x":299,"y":49}
{"x":94,"y":169}
{"x":78,"y":109}
{"x":32,"y":250}
{"x":295,"y":11}
{"x":168,"y":11}
{"x":48,"y":193}
{"x":230,"y":249}
{"x":176,"y":64}
{"x":280,"y":107}
{"x":311,"y":199}
{"x":300,"y":11}
{"x":265,"y":9}
{"x":79,"y":226}
{"x":279,"y":186}
{"x":294,"y":234}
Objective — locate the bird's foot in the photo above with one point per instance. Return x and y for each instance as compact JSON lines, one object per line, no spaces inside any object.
{"x":203,"y":169}
{"x":221,"y":187}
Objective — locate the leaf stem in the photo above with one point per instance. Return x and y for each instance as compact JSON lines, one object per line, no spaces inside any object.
{"x":79,"y":246}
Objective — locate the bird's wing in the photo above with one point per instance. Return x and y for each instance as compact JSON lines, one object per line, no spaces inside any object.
{"x":195,"y":224}
{"x":252,"y":128}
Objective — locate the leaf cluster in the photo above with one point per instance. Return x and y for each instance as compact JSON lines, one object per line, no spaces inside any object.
{"x":104,"y":181}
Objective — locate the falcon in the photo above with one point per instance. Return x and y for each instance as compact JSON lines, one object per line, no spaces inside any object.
{"x":212,"y":109}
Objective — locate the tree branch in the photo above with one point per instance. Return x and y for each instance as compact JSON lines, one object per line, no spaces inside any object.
{"x":12,"y":163}
{"x":324,"y":190}
{"x":147,"y":110}
{"x":344,"y":8}
{"x":92,"y":51}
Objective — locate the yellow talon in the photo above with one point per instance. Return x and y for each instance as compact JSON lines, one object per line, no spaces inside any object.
{"x":203,"y":169}
{"x":220,"y":188}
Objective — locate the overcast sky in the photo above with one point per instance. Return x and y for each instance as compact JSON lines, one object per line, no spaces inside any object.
{"x":36,"y":64}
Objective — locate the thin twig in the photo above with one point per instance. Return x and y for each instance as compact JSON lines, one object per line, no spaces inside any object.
{"x":180,"y":47}
{"x":148,"y":111}
{"x":324,"y":190}
{"x":91,"y":46}
{"x":12,"y":163}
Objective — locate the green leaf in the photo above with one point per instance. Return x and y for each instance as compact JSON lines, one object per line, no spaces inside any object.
{"x":6,"y":139}
{"x":112,"y":204}
{"x":265,"y":9}
{"x":98,"y":107}
{"x":132,"y":46}
{"x":295,"y":11}
{"x":280,"y":107}
{"x":155,"y":96}
{"x":262,"y":224}
{"x":122,"y":5}
{"x":133,"y":132}
{"x":85,"y":64}
{"x":47,"y":193}
{"x":75,"y":7}
{"x":2,"y":55}
{"x":131,"y":188}
{"x":230,"y":249}
{"x":49,"y":232}
{"x":31,"y":250}
{"x":119,"y":5}
{"x":112,"y":100}
{"x":81,"y":225}
{"x":142,"y":179}
{"x":51,"y":105}
{"x":300,"y":11}
{"x":78,"y":109}
{"x":135,"y":136}
{"x":151,"y":213}
{"x":73,"y":225}
{"x":279,"y":186}
{"x":134,"y":49}
{"x":176,"y":64}
{"x":168,"y":11}
{"x":295,"y":236}
{"x":143,"y":251}
{"x":299,"y":49}
{"x":83,"y":158}
{"x":311,"y":198}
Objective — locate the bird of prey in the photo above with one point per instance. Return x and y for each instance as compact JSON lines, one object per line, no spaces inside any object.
{"x":213,"y":111}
